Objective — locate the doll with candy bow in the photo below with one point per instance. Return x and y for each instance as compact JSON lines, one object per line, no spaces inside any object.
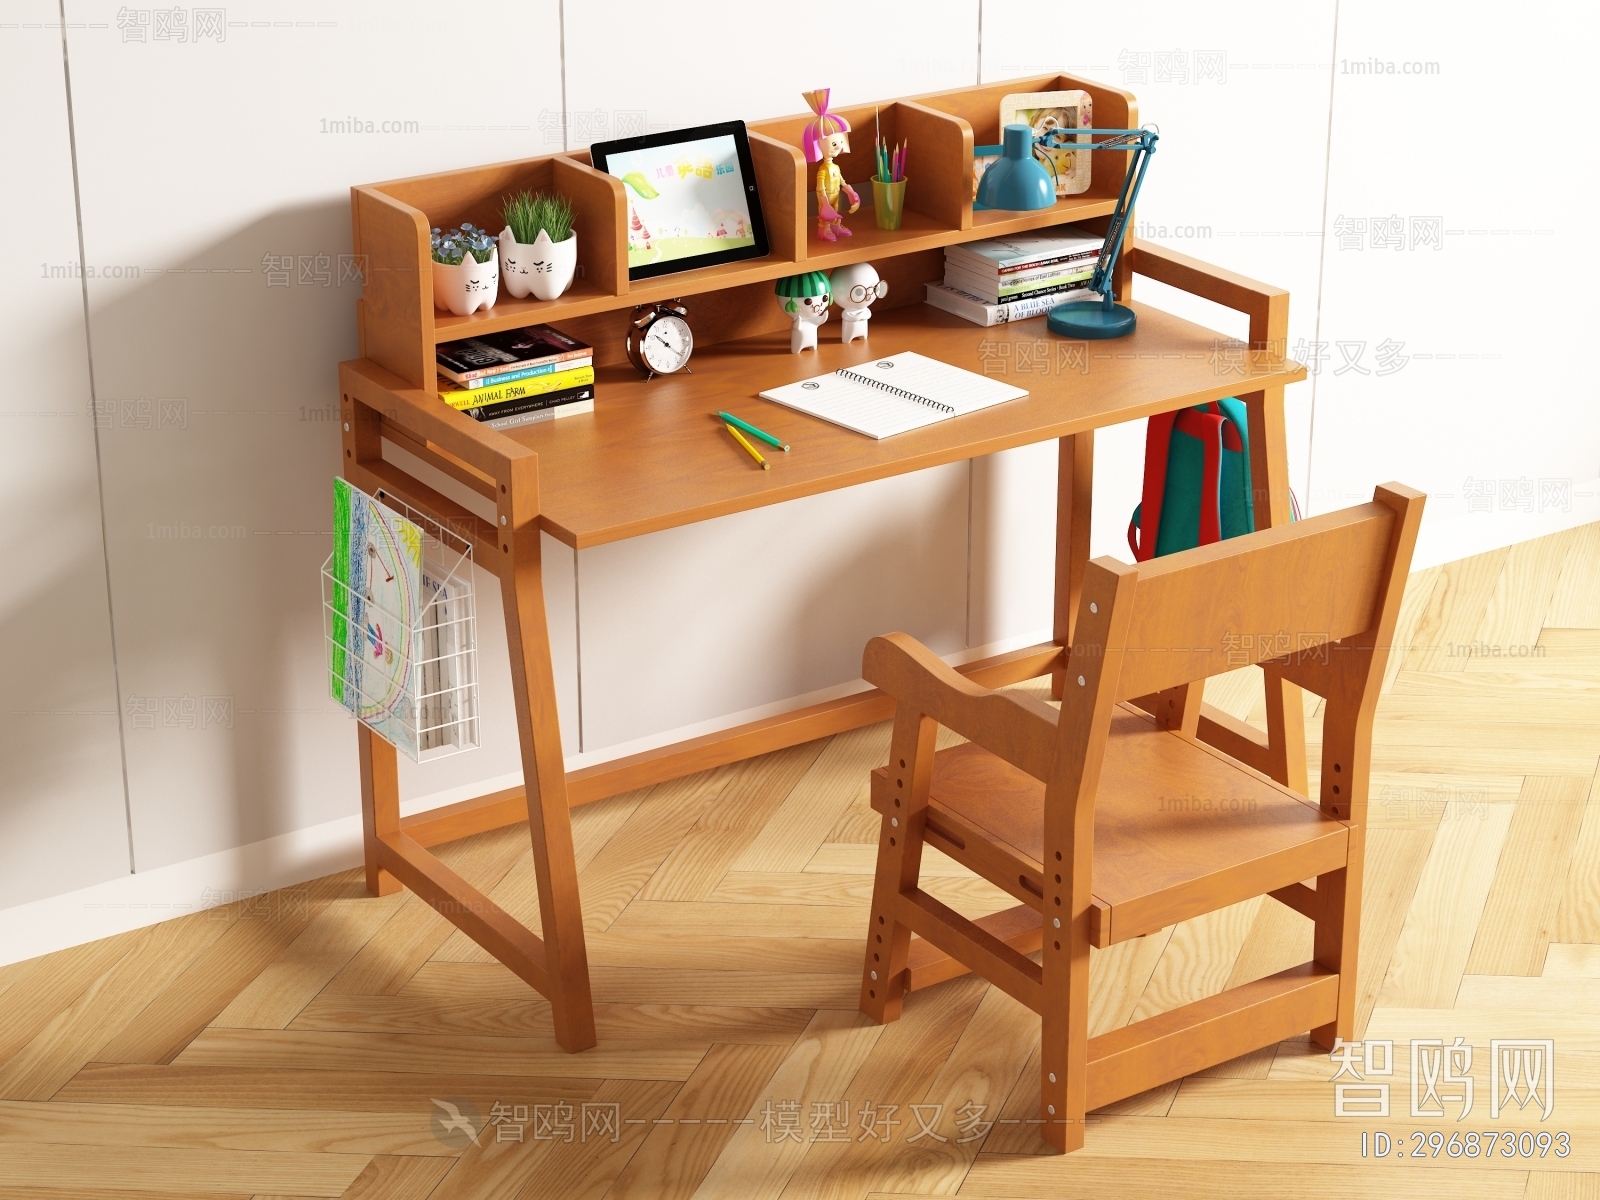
{"x":826,"y":137}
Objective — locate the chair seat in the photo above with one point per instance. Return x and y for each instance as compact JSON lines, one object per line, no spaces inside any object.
{"x":1179,"y":829}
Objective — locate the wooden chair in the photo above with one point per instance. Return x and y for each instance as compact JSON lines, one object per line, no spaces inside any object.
{"x":1108,"y":824}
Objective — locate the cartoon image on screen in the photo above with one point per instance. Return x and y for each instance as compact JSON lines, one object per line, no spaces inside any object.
{"x":683,"y":200}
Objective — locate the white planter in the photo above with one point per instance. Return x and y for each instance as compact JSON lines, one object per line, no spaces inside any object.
{"x":541,"y":267}
{"x":467,"y":286}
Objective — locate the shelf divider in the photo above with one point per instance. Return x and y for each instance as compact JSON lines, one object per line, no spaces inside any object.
{"x":940,"y":187}
{"x":600,"y":209}
{"x":781,"y":178}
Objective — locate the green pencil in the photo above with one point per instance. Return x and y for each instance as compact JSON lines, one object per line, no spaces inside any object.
{"x":751,"y":429}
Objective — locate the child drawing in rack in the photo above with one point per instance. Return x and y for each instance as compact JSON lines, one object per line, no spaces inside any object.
{"x":826,"y":137}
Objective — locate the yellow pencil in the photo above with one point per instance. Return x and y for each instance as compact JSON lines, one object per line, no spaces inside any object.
{"x":754,"y":453}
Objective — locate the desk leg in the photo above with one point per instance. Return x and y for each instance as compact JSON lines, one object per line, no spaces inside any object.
{"x":1074,"y":494}
{"x":544,"y":771}
{"x":1269,"y":468}
{"x":380,"y":804}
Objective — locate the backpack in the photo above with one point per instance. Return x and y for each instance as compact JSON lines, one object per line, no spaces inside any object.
{"x":1196,"y":480}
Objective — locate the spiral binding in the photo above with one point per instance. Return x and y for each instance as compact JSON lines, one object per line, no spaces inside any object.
{"x":894,"y":391}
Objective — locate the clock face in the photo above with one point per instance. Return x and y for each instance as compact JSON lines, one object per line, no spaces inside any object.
{"x":666,"y":345}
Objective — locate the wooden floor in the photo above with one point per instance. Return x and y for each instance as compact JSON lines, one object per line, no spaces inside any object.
{"x":308,"y":1042}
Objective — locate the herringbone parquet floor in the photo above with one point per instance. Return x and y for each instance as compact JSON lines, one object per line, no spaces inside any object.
{"x":320,"y":1042}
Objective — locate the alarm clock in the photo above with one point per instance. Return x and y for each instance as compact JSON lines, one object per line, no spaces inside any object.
{"x":659,"y":339}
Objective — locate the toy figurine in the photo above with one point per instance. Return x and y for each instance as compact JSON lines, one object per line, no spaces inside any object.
{"x":825,"y":138}
{"x":855,"y":287}
{"x":805,"y":298}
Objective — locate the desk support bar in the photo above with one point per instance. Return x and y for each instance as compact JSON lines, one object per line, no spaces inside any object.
{"x":584,"y":786}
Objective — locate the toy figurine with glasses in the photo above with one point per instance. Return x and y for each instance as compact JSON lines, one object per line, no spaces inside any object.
{"x":826,"y":137}
{"x":855,"y":287}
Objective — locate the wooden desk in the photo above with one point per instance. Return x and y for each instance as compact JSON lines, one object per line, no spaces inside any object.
{"x":651,"y":457}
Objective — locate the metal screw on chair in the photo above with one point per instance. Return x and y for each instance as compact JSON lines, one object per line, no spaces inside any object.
{"x":1058,"y":922}
{"x":1080,"y":681}
{"x":1094,"y":608}
{"x":1052,"y":1076}
{"x":875,"y":975}
{"x":895,"y":821}
{"x":1051,"y":1108}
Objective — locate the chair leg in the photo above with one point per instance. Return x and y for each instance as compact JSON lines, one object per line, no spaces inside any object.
{"x":1338,"y":928}
{"x":883,"y":974}
{"x":1064,"y":1057}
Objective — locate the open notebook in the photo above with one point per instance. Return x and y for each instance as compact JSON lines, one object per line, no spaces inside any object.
{"x":893,"y":395}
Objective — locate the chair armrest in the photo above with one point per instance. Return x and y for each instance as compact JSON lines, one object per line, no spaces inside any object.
{"x":1265,"y":305}
{"x":1014,"y":725}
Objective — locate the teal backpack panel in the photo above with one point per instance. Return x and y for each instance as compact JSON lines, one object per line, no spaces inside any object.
{"x":1197,"y":477}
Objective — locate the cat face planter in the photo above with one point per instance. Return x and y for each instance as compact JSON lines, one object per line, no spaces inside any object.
{"x":542,"y":267}
{"x":467,"y":286}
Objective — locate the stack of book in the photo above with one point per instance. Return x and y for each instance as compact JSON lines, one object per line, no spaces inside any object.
{"x":517,"y":376}
{"x":1009,"y":278}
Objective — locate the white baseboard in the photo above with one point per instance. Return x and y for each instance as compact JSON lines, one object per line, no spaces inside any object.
{"x":134,"y":901}
{"x":1461,"y":535}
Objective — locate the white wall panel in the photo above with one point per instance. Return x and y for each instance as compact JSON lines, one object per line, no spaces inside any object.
{"x":62,"y":820}
{"x":704,"y":62}
{"x":1461,"y":310}
{"x":689,"y":624}
{"x":221,"y":169}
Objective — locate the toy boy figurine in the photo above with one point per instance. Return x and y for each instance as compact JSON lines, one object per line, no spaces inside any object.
{"x":805,"y":298}
{"x":825,"y":138}
{"x":855,"y":287}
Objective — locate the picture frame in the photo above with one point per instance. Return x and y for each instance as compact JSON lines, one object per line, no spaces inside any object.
{"x":1044,"y":111}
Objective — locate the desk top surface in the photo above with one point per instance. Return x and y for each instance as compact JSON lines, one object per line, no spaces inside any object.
{"x":653,"y":455}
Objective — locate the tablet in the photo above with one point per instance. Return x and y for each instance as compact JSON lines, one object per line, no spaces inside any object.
{"x":692,"y":199}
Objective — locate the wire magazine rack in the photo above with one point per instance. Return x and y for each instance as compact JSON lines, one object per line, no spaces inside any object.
{"x":427,"y":706}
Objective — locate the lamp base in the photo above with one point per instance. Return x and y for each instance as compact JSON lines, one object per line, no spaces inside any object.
{"x":1089,"y":321}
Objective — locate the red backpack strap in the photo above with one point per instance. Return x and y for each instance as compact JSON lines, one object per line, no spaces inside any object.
{"x":1157,"y":442}
{"x":1207,"y":429}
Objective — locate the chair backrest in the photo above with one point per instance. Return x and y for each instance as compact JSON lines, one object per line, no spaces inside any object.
{"x":1262,"y":596}
{"x":1318,"y":599}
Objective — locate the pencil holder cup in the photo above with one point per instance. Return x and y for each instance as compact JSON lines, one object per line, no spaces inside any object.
{"x":888,"y":203}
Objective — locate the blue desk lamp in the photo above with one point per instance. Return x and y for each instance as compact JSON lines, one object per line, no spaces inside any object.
{"x":1016,"y":180}
{"x":1016,"y":187}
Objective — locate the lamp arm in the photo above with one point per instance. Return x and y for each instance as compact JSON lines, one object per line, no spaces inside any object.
{"x":1105,"y":270}
{"x":1143,"y":144}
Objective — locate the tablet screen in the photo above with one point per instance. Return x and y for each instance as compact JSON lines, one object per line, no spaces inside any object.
{"x":690,"y":203}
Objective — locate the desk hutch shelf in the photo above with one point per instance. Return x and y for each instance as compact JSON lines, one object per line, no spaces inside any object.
{"x":647,"y":459}
{"x":399,"y":326}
